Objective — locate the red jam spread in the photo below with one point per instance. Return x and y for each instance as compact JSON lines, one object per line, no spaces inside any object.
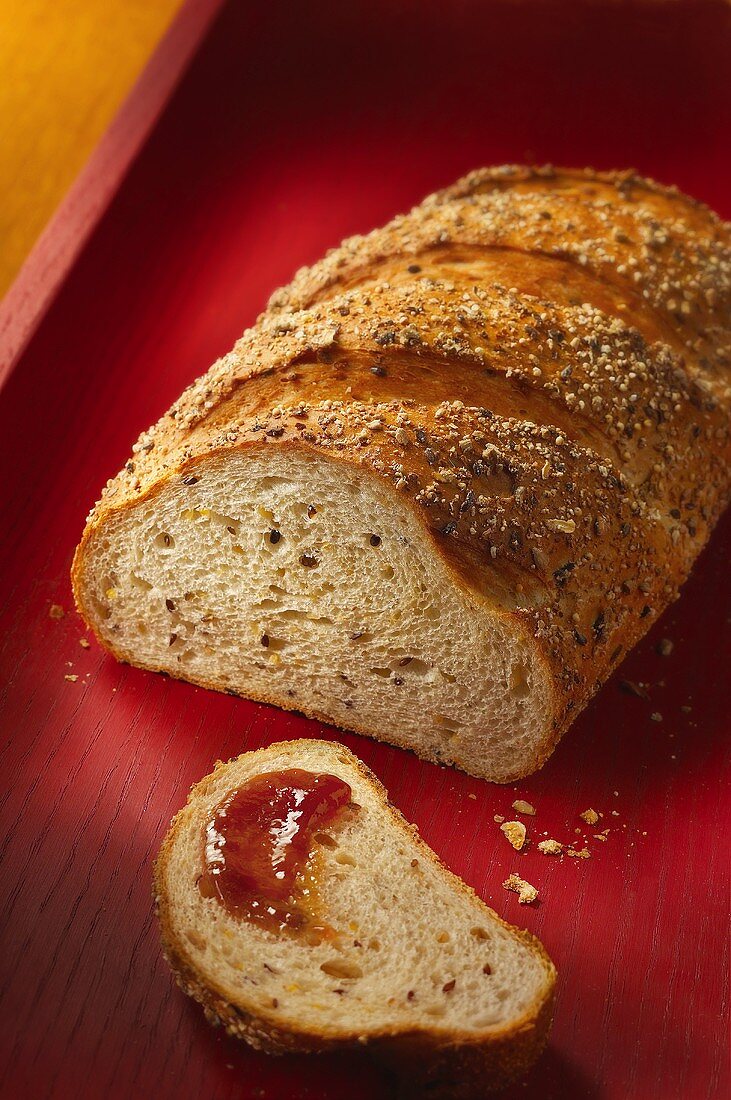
{"x":261,"y":841}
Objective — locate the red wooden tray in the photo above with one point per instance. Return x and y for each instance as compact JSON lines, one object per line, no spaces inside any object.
{"x":291,"y":128}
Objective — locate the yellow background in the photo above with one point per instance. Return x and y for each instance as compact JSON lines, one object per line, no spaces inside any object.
{"x":65,"y":68}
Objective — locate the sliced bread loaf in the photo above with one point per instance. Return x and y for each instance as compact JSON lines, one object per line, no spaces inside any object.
{"x":451,"y":476}
{"x":393,"y":952}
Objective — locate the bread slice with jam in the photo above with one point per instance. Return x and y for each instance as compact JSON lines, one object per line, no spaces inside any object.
{"x":305,"y":914}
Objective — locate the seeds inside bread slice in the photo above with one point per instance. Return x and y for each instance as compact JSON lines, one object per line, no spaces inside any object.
{"x":284,"y":576}
{"x":305,"y":913}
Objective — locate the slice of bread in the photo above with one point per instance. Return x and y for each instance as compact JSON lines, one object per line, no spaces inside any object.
{"x":421,"y":970}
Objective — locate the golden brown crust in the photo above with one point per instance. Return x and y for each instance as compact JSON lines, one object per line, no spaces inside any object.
{"x":453,"y":1064}
{"x":538,"y":361}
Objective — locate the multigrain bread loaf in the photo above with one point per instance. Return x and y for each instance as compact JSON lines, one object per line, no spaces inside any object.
{"x":416,"y":967}
{"x":451,"y":476}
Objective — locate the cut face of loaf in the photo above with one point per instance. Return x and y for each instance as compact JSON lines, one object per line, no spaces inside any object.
{"x":290,"y":577}
{"x":521,"y":388}
{"x":419,"y":963}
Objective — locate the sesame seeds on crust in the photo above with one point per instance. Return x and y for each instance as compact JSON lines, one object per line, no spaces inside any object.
{"x":671,"y":251}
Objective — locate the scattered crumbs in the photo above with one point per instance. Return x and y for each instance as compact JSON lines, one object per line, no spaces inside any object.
{"x":601,"y":836}
{"x":616,"y":794}
{"x":526,"y":893}
{"x":581,"y":853}
{"x":591,"y":817}
{"x":515,"y":832}
{"x":664,"y":647}
{"x":71,"y":677}
{"x":472,"y":796}
{"x":685,"y":709}
{"x":550,"y":847}
{"x":84,"y":643}
{"x":615,"y":813}
{"x":629,"y":687}
{"x":498,"y":819}
{"x":522,"y":807}
{"x":656,"y":716}
{"x":55,"y":611}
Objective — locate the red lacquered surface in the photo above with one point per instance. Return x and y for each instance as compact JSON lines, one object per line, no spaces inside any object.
{"x":259,"y":844}
{"x":286,"y":134}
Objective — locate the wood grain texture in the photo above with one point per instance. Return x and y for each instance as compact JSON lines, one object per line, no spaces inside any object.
{"x":66,"y":68}
{"x":268,"y":154}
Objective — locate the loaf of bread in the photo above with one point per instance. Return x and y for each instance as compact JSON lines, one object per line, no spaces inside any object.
{"x":399,"y":955}
{"x":451,"y":476}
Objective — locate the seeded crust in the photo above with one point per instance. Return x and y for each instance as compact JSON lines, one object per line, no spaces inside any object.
{"x":539,"y":362}
{"x":447,"y":1063}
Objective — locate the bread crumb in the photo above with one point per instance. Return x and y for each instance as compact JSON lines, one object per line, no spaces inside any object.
{"x":590,"y":816}
{"x":550,"y":847}
{"x":71,"y":677}
{"x":526,"y":893}
{"x":85,"y":643}
{"x":55,"y":611}
{"x":498,"y":819}
{"x":599,"y":836}
{"x":566,"y":525}
{"x":582,"y":853}
{"x":515,"y":832}
{"x":664,"y":647}
{"x":472,"y":796}
{"x":656,"y":716}
{"x":522,"y":807}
